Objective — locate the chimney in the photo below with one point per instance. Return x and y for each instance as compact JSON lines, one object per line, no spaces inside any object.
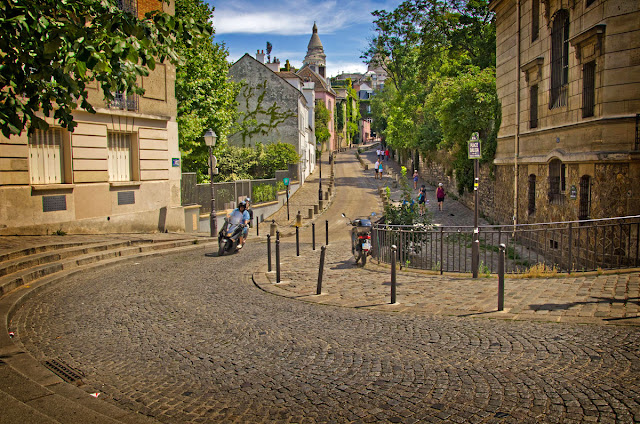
{"x":260,"y":56}
{"x":275,"y":65}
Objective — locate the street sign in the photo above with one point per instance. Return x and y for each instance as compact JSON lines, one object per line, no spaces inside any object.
{"x":175,"y":162}
{"x":474,"y":149}
{"x":213,"y":161}
{"x":286,"y":181}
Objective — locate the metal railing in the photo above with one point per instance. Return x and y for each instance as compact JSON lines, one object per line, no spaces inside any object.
{"x":566,"y":246}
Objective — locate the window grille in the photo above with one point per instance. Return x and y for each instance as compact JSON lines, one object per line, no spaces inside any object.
{"x":130,"y":6}
{"x":588,"y":89}
{"x":535,"y":19}
{"x":45,"y":157}
{"x":119,"y":156}
{"x":532,"y":194}
{"x":559,"y":59}
{"x":585,"y":197}
{"x":557,"y":181}
{"x":533,"y":106}
{"x":124,"y":101}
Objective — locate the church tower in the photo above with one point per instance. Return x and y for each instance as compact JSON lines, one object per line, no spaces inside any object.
{"x":315,"y":58}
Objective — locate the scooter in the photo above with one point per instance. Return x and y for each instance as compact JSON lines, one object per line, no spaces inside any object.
{"x":229,"y":235}
{"x":360,"y":238}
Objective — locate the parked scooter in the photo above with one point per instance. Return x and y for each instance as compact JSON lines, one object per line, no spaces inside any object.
{"x":229,"y":235}
{"x":360,"y":238}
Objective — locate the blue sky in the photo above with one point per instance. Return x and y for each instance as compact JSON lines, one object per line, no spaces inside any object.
{"x":345,"y":28}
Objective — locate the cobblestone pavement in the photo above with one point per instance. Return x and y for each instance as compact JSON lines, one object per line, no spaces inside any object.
{"x":183,"y":339}
{"x":189,"y":338}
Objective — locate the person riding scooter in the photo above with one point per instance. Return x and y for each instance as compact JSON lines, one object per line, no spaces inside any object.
{"x":241,"y":213}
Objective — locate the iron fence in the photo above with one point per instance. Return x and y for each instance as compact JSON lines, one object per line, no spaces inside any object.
{"x":586,"y":245}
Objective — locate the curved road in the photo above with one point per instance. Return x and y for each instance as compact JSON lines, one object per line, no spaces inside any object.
{"x":188,"y":338}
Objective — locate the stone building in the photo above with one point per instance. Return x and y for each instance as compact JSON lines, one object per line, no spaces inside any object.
{"x":568,"y":78}
{"x":118,"y":171}
{"x":272,"y":109}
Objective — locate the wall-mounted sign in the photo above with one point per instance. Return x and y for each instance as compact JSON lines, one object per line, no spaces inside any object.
{"x":175,"y":162}
{"x":573,"y":192}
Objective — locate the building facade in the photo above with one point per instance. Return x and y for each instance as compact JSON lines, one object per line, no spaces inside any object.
{"x":118,"y":171}
{"x":271,"y":110}
{"x":568,"y":78}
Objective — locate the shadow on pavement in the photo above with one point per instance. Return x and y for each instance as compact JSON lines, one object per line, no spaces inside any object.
{"x":557,"y":306}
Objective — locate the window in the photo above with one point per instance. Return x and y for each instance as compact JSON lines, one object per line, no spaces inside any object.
{"x":585,"y":197}
{"x":535,"y":19}
{"x":559,"y":59}
{"x":46,"y":163}
{"x":557,"y":181}
{"x":533,"y":106}
{"x":532,"y":194}
{"x":124,"y":101}
{"x":588,"y":89}
{"x":119,"y":156}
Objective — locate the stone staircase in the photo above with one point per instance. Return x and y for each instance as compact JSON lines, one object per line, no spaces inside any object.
{"x":31,"y":392}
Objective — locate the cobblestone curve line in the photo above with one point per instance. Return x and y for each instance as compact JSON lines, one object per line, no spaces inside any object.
{"x":186,"y":338}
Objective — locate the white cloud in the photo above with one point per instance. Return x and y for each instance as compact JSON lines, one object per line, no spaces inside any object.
{"x":338,"y":67}
{"x":291,"y":17}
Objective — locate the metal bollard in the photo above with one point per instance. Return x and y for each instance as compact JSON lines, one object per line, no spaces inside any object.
{"x":297,"y":241}
{"x":326,"y":228}
{"x":298,"y":219}
{"x":277,"y":261}
{"x":393,"y":273}
{"x":277,"y":235}
{"x":321,"y":270}
{"x":269,"y":252}
{"x":313,"y":235}
{"x":257,"y":225}
{"x":501,"y":256}
{"x":273,"y":228}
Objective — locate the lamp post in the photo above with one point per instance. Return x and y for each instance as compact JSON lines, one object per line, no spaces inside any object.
{"x":210,"y":140}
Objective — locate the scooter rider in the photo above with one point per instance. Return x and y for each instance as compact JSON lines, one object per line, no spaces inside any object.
{"x":244,"y":220}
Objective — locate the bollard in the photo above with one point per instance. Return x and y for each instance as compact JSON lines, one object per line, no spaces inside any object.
{"x":298,"y":220}
{"x":269,"y":252}
{"x":313,"y":235}
{"x":315,"y":209}
{"x":297,"y":241}
{"x":277,"y":235}
{"x":277,"y":261}
{"x":326,"y":228}
{"x":273,"y":228}
{"x":393,"y":273}
{"x":310,"y":216}
{"x":321,"y":204}
{"x":503,"y":248}
{"x":321,"y":270}
{"x":257,"y":225}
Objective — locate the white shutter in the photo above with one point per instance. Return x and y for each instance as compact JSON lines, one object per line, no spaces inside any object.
{"x":119,"y":156}
{"x":45,"y":156}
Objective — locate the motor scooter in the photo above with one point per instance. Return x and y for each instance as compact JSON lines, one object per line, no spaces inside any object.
{"x":229,"y":235}
{"x":360,"y":238}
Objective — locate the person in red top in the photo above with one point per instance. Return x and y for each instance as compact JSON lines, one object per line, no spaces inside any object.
{"x":440,"y":195}
{"x":386,"y":153}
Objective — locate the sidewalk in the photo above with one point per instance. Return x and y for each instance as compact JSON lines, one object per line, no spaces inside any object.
{"x":608,"y":298}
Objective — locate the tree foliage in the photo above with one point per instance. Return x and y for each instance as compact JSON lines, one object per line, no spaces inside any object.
{"x":322,"y":118}
{"x":51,"y":50}
{"x":237,"y":163}
{"x":440,"y":57}
{"x":204,"y":92}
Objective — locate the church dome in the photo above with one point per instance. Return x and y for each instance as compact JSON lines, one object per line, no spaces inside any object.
{"x":315,"y":51}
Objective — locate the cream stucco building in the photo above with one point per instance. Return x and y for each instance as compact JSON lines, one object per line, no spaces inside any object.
{"x":118,"y":171}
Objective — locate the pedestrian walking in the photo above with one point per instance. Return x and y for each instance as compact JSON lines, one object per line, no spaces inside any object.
{"x":386,"y":153}
{"x":380,"y":170}
{"x":376,"y":166}
{"x":440,"y":195}
{"x":377,"y":154}
{"x":422,"y":199}
{"x":415,"y":179}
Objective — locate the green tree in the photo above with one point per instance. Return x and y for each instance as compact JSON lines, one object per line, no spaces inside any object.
{"x":205,"y":94}
{"x":322,"y":118}
{"x":51,"y":50}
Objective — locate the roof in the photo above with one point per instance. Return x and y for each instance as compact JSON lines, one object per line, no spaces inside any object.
{"x":289,"y":74}
{"x":315,"y":39}
{"x":321,"y":83}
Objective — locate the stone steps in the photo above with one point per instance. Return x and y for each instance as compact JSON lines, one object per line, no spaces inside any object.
{"x":30,"y":392}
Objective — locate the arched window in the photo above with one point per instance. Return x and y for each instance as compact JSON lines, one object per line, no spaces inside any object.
{"x":559,"y":59}
{"x":532,"y":194}
{"x":557,"y":181}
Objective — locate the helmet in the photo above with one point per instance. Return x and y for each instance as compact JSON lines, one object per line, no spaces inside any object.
{"x":247,"y":200}
{"x":243,"y":204}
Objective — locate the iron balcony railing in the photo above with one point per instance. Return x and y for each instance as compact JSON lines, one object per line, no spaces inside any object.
{"x":587,"y":245}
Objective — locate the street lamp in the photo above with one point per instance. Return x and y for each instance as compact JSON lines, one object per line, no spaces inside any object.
{"x":210,"y":140}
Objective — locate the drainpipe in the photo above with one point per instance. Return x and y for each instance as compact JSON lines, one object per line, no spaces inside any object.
{"x":516,"y":139}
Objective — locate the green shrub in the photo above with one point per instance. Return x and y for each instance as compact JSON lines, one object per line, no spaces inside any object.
{"x":264,"y":193}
